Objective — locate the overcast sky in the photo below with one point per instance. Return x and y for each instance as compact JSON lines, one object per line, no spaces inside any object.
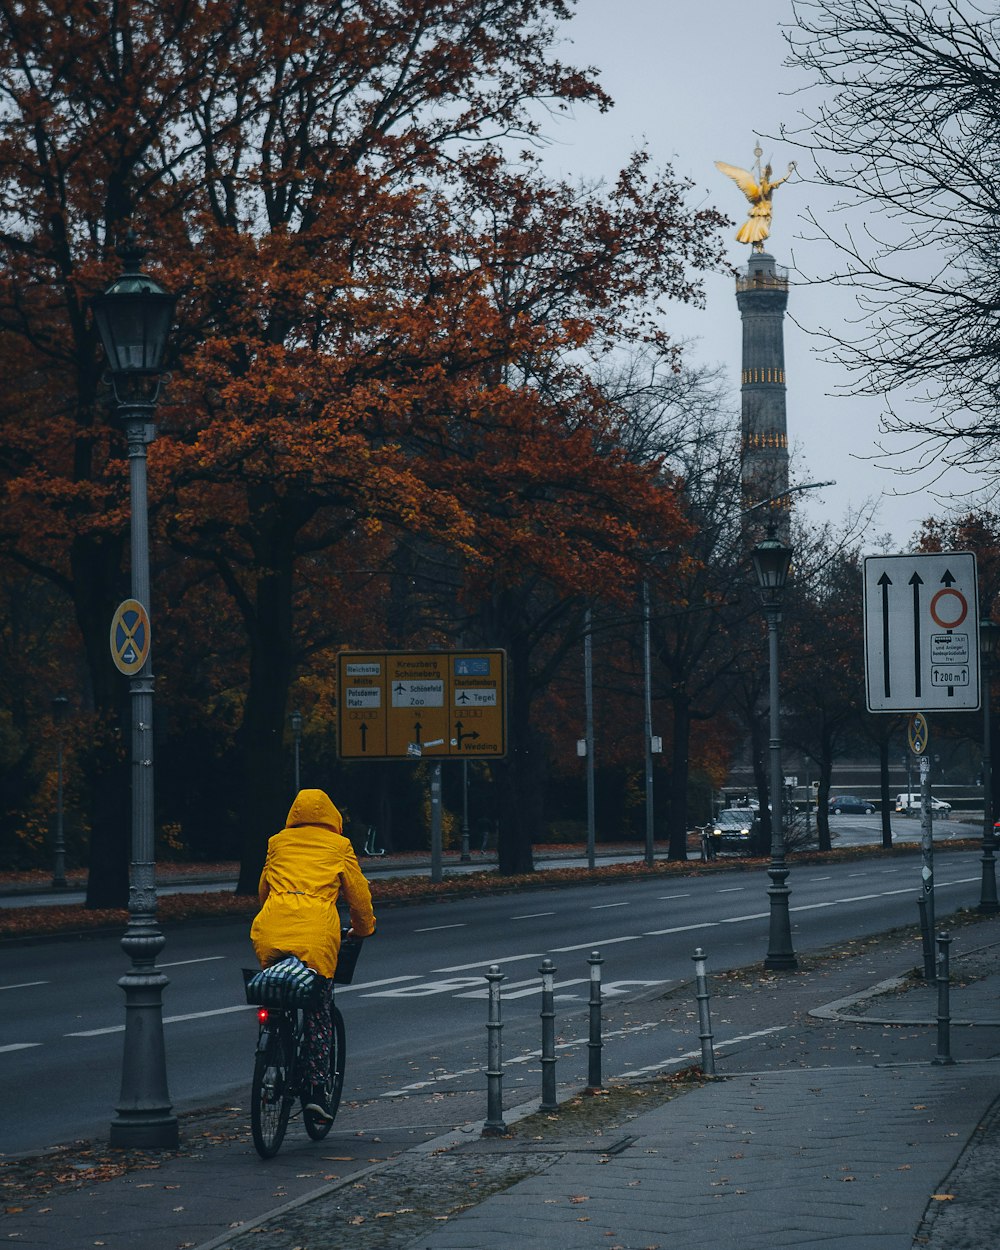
{"x":697,"y":83}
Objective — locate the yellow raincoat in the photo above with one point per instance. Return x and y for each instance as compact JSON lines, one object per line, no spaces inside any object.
{"x":309,"y":863}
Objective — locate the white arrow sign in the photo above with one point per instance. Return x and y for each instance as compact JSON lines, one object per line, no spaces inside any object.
{"x":922,"y":632}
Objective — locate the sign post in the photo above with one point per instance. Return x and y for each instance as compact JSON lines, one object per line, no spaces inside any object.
{"x":927,"y":868}
{"x":921,"y":617}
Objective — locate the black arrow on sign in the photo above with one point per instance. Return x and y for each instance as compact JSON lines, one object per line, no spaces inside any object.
{"x":916,"y":581}
{"x":417,"y":727}
{"x":885,"y":581}
{"x":460,"y":737}
{"x":364,"y":736}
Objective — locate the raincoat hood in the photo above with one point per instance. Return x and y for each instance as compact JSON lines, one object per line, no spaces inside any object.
{"x":314,"y":807}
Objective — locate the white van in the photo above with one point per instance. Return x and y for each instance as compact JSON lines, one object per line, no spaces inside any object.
{"x":909,"y":805}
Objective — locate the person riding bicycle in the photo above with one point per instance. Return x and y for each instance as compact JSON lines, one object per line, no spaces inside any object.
{"x":309,"y":864}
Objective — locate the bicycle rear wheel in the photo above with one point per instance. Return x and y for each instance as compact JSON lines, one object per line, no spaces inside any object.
{"x":270,"y":1101}
{"x":316,"y":1127}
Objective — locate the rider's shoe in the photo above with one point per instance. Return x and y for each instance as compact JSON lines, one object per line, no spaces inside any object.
{"x":317,"y":1104}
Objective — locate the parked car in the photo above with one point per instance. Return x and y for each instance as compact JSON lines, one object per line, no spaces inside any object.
{"x":734,"y":829}
{"x":850,"y":804}
{"x":909,"y":804}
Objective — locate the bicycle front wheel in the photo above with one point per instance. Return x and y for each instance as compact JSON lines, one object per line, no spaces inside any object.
{"x":318,"y":1128}
{"x":270,"y":1102}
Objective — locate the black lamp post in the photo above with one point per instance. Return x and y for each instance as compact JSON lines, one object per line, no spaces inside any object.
{"x":771,"y":562}
{"x":989,"y":640}
{"x":296,"y":720}
{"x":133,"y":318}
{"x":60,"y":706}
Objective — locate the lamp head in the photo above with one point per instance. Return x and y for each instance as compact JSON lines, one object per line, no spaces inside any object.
{"x":771,"y":562}
{"x":133,"y":317}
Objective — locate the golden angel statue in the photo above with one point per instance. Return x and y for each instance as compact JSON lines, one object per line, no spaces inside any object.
{"x":757,"y":186}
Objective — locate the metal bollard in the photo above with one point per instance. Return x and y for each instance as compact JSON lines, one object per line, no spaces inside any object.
{"x":943,"y":1055}
{"x":548,"y":1013}
{"x":494,"y":1125}
{"x":594,"y":1044}
{"x":704,"y":1015}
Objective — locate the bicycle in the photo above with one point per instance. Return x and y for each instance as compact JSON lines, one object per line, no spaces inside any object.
{"x":279,"y":1065}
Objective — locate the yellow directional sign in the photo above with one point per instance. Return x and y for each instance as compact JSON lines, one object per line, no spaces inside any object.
{"x":130,"y":637}
{"x":421,"y":704}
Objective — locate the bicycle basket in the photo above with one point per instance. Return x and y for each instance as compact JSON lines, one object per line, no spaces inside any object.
{"x":288,"y":983}
{"x":347,"y":961}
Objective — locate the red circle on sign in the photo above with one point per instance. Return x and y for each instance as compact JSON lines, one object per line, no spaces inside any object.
{"x":962,"y":607}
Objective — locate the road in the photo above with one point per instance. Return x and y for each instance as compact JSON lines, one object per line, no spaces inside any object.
{"x":417,"y":1011}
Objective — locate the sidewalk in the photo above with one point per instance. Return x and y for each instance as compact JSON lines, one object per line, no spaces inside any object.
{"x":828,"y":1124}
{"x":171,"y":877}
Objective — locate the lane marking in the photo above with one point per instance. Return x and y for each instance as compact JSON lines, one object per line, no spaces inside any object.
{"x":522,"y":989}
{"x":427,"y":988}
{"x":205,"y":959}
{"x":732,"y":889}
{"x":755,"y":915}
{"x":531,"y":1057}
{"x":696,"y":1054}
{"x":371,"y":985}
{"x":485,"y":963}
{"x":605,"y":906}
{"x":664,"y":896}
{"x":533,"y":915}
{"x":18,"y":1046}
{"x":682,"y":928}
{"x":23,"y":985}
{"x":597,"y":945}
{"x":436,"y":928}
{"x":192,"y":1015}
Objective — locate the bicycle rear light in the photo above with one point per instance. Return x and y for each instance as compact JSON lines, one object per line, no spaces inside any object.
{"x":262,"y":1015}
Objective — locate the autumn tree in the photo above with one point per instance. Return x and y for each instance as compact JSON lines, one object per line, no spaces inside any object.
{"x":357,"y":338}
{"x":904,"y":129}
{"x":823,"y":681}
{"x":696,"y":595}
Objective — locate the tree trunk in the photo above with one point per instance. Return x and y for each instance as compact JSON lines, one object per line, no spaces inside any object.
{"x":518,"y":778}
{"x":680,"y":706}
{"x":759,"y":760}
{"x":823,"y":799}
{"x":265,"y":798}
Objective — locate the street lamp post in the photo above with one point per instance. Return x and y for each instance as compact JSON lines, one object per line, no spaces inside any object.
{"x":588,"y":696}
{"x":464,"y":856}
{"x":133,"y":319}
{"x":771,"y":561}
{"x":989,"y":639}
{"x":296,"y":720}
{"x":60,"y":706}
{"x":647,"y":725}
